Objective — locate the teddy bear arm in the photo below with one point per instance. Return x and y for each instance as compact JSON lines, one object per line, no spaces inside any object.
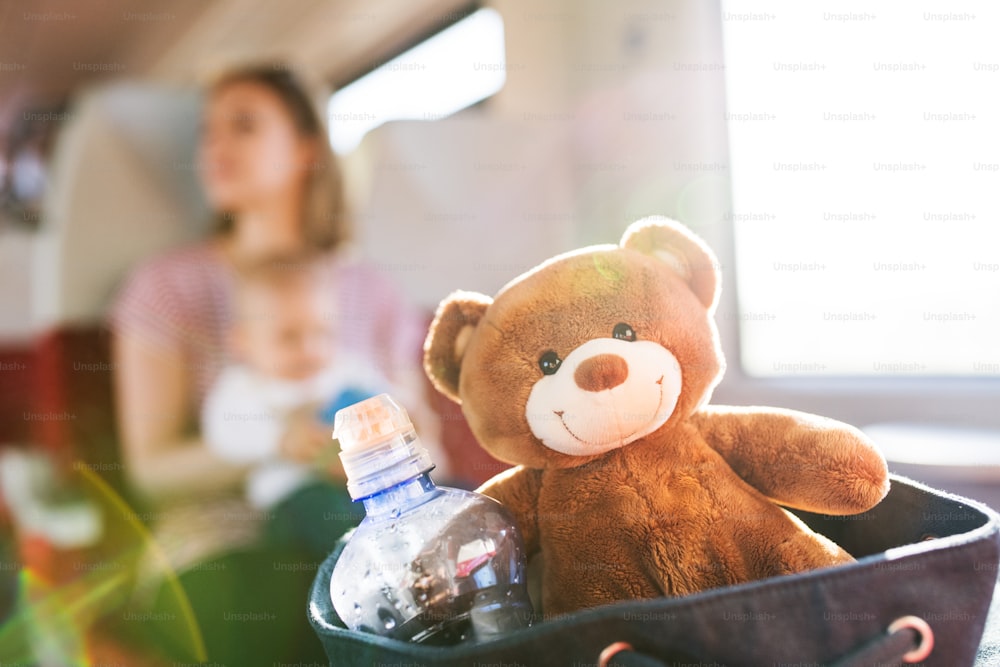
{"x":518,"y":490}
{"x":797,"y":459}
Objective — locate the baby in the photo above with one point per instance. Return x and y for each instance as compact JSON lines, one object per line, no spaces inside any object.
{"x":267,"y":410}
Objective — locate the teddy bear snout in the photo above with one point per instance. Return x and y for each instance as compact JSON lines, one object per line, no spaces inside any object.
{"x":601,"y":372}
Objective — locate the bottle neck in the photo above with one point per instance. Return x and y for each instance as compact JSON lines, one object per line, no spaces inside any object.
{"x":374,"y":468}
{"x":398,"y":497}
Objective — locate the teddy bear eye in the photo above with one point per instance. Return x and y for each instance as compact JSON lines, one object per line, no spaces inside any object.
{"x":549,"y":362}
{"x":623,"y":331}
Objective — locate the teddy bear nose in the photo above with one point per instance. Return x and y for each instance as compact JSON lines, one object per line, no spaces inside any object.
{"x":600,"y":372}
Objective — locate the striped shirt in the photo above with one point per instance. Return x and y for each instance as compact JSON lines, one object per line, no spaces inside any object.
{"x":182,"y":301}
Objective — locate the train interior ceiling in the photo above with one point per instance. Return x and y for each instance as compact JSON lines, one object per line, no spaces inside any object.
{"x":521,"y":130}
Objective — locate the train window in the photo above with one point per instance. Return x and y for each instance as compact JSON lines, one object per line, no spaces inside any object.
{"x":455,"y":68}
{"x":864,"y":175}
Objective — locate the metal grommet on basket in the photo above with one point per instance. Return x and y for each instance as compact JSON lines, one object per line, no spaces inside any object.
{"x":610,"y":651}
{"x":921,"y":627}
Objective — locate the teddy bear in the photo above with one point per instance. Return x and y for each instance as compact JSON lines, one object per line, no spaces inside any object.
{"x":591,"y":375}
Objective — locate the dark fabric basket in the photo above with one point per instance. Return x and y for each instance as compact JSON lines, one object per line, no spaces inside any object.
{"x":920,"y":553}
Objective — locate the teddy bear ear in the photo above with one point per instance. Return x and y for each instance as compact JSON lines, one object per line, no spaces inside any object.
{"x":454,"y":322}
{"x":681,"y":250}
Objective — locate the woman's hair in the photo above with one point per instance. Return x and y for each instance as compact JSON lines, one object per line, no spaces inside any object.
{"x":325,"y":224}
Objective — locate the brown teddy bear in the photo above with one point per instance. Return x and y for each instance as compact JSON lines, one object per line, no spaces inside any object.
{"x":592,"y":372}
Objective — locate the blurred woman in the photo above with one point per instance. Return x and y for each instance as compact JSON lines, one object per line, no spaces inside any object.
{"x":269,"y":173}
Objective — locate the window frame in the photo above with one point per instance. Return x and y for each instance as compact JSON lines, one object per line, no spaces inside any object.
{"x":959,"y":401}
{"x":380,"y":58}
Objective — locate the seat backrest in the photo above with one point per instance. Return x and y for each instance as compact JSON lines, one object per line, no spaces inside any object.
{"x":466,"y":202}
{"x":123,"y":186}
{"x":16,"y":331}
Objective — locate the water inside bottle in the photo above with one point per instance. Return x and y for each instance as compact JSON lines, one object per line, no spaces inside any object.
{"x":472,"y":616}
{"x":463,"y":585}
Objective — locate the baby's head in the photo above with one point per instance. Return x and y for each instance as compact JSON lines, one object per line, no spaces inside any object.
{"x":284,"y":320}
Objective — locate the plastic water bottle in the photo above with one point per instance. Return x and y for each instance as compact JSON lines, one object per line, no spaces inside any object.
{"x":428,"y":564}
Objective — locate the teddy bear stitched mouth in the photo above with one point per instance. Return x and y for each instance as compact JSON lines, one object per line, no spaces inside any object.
{"x":659,"y":404}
